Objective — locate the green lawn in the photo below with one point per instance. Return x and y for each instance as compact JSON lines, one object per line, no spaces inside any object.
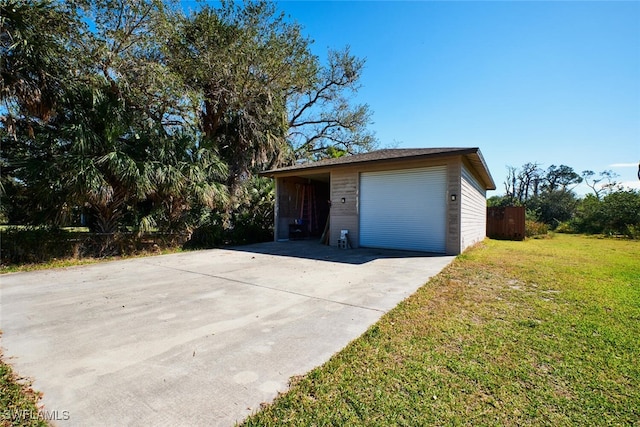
{"x":541,"y":332}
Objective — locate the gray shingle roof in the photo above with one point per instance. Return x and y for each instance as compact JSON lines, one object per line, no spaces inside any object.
{"x":386,"y":154}
{"x":394,"y":154}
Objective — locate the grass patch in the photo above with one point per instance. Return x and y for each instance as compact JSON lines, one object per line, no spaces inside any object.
{"x":541,"y":332}
{"x":18,"y":401}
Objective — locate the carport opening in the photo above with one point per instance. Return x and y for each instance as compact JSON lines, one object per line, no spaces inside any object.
{"x":304,"y":203}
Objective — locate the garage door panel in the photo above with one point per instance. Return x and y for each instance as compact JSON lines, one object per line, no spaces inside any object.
{"x":404,"y":209}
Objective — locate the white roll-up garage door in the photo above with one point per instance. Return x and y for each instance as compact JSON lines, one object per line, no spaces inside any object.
{"x":404,"y":209}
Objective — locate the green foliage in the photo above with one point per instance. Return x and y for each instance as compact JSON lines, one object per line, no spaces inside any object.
{"x":548,"y":198}
{"x":250,"y":221}
{"x":501,"y":202}
{"x":240,"y":61}
{"x":553,"y":207}
{"x":209,"y":235}
{"x":633,"y":231}
{"x":34,"y":65}
{"x":617,"y":213}
{"x":588,"y":218}
{"x":531,"y":215}
{"x":139,"y":116}
{"x":535,"y":228}
{"x":253,"y":218}
{"x":565,"y":227}
{"x":34,"y":245}
{"x":546,"y":193}
{"x":560,"y":178}
{"x":621,"y":210}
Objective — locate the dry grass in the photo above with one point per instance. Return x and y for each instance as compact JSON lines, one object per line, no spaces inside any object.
{"x":541,"y":332}
{"x":18,"y":401}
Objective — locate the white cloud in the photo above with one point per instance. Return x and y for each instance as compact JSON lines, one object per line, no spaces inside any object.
{"x":631,"y":185}
{"x":624,"y":165}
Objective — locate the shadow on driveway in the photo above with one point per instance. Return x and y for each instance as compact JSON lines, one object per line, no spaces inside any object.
{"x":314,"y":250}
{"x":195,"y":338}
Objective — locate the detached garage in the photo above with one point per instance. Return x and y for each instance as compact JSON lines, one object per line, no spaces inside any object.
{"x":429,"y":199}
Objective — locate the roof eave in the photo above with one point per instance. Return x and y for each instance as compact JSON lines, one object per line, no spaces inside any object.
{"x":309,"y":166}
{"x":472,"y":154}
{"x":480,"y":166}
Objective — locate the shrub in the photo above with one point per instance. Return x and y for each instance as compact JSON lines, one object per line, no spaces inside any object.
{"x":249,"y":221}
{"x":618,"y":213}
{"x":535,"y":228}
{"x":588,"y":218}
{"x":565,"y":227}
{"x":23,"y":245}
{"x":207,"y":236}
{"x":633,"y":231}
{"x":253,"y":218}
{"x":553,"y":207}
{"x":28,"y":245}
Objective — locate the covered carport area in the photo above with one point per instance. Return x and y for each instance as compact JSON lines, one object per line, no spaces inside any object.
{"x":303,"y":203}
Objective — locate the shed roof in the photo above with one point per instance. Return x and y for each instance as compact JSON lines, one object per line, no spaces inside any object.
{"x":472,"y":154}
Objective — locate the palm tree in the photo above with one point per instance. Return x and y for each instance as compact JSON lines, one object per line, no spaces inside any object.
{"x":34,"y":37}
{"x":184,"y":176}
{"x":116,"y":160}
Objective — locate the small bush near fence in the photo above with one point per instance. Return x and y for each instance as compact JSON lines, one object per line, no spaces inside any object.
{"x":20,"y":245}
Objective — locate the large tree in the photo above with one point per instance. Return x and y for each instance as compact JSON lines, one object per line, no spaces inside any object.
{"x":524,"y":183}
{"x":547,"y":194}
{"x":238,"y":62}
{"x":263,"y":99}
{"x":605,"y":183}
{"x":322,"y":120}
{"x":144,"y":116}
{"x":561,"y":178}
{"x":114,"y":144}
{"x":35,"y":68}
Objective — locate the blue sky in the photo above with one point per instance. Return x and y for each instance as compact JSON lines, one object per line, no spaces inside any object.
{"x":547,"y":82}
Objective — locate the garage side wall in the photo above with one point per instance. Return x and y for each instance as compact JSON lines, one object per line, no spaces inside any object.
{"x":344,"y":216}
{"x":453,"y":206}
{"x":473,"y":210}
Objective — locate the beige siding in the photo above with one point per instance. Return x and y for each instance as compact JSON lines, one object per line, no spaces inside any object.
{"x":453,"y":206}
{"x":473,"y":215}
{"x":462,"y":214}
{"x":344,"y":216}
{"x":345,"y":183}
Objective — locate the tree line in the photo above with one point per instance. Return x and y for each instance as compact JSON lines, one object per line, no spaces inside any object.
{"x":136,"y":114}
{"x":550,"y":199}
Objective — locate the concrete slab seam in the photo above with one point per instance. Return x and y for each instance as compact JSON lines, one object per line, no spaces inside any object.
{"x":271,"y":288}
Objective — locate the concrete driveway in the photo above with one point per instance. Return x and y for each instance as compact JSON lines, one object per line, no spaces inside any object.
{"x":196,"y":338}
